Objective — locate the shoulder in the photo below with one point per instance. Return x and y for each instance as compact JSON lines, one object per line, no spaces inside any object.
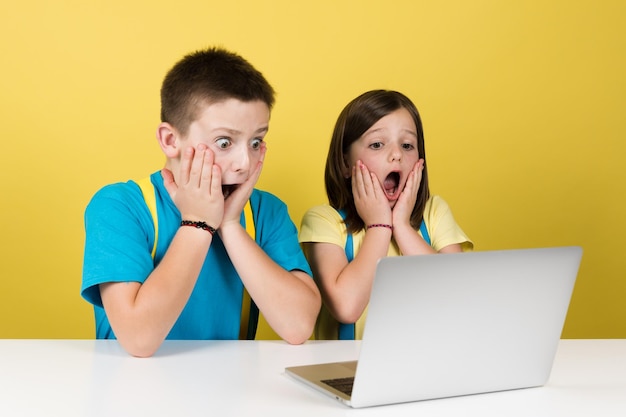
{"x":264,"y":197}
{"x":121,"y":192}
{"x":323,"y":211}
{"x":323,"y":224}
{"x":437,"y":210}
{"x":264,"y":203}
{"x":321,"y":219}
{"x":270,"y":214}
{"x":118,"y":203}
{"x":435,"y":204}
{"x":442,"y":225}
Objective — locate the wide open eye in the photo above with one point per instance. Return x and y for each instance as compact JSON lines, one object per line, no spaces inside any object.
{"x":223,"y":143}
{"x":256,"y":143}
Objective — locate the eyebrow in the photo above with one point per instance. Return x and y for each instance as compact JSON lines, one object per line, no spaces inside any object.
{"x":230,"y":131}
{"x":370,"y":132}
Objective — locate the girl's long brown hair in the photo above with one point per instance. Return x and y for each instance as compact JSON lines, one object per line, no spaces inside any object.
{"x":354,"y":120}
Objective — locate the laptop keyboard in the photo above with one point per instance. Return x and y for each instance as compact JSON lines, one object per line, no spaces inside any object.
{"x":341,"y":384}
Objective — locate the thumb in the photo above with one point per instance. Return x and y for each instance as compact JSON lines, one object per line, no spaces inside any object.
{"x":168,"y":181}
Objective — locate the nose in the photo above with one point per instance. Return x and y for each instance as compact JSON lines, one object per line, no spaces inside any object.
{"x":395,"y":153}
{"x":241,"y":161}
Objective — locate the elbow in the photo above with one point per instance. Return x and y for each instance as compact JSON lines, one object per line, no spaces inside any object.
{"x":138,"y":346}
{"x":344,"y":304}
{"x":136,"y":337}
{"x":295,"y":340}
{"x":299,"y":335}
{"x":140,"y":352}
{"x":301,"y":330}
{"x":347,"y":313}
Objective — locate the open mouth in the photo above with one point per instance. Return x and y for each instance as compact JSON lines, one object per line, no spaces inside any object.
{"x":391,"y":183}
{"x":228,"y":189}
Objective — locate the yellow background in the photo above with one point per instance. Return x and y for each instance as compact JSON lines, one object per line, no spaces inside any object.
{"x":523,"y":105}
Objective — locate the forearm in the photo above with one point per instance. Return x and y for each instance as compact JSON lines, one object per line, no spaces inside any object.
{"x":289,"y":301}
{"x":410,"y":242}
{"x":350,"y":293}
{"x":142,"y":315}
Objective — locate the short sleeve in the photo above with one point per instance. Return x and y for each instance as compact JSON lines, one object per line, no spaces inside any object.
{"x":276,"y":233}
{"x":323,"y":224}
{"x":117,"y":239}
{"x":442,"y":226}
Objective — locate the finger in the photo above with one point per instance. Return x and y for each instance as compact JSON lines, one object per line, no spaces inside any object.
{"x":418,"y":174}
{"x":168,"y":181}
{"x":377,"y":188}
{"x":244,"y":191}
{"x":357,"y":182}
{"x":368,"y":181}
{"x":185,"y":165}
{"x":259,"y":166}
{"x":216,"y":181}
{"x":195,"y":172}
{"x":263,"y":150}
{"x":410,"y":181}
{"x":207,"y":168}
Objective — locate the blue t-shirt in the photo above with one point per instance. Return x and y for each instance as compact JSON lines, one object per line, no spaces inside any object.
{"x":118,"y":246}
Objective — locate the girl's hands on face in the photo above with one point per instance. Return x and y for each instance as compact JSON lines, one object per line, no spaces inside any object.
{"x":369,"y":198}
{"x":234,"y":203}
{"x":198,"y":193}
{"x":406,"y":202}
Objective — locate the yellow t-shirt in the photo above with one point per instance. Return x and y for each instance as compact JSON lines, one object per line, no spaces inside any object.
{"x":323,"y":224}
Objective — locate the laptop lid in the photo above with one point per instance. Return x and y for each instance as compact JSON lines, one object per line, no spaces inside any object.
{"x":457,"y":324}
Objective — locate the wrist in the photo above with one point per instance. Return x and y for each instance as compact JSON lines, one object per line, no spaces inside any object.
{"x":228,"y":226}
{"x":379,"y":225}
{"x":199,"y":225}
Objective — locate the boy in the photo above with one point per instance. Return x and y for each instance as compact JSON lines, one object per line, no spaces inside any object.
{"x":215,"y":110}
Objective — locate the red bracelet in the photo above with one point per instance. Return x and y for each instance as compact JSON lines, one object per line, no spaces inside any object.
{"x":388,"y":226}
{"x":198,"y":225}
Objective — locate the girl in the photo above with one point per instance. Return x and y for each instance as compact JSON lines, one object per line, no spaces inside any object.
{"x":380,"y":205}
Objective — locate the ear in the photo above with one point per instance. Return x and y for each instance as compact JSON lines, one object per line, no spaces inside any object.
{"x":169,"y":140}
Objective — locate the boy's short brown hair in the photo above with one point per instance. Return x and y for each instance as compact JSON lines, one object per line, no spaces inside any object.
{"x":208,"y":76}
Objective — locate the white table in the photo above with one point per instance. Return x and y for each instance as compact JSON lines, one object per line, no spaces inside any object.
{"x":233,"y":378}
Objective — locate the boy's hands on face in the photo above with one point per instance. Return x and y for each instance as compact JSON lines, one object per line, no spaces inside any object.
{"x":406,"y":202}
{"x":369,"y":197}
{"x":236,"y":200}
{"x":198,"y":193}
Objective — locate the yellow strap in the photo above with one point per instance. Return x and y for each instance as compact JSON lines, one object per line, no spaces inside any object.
{"x":247,"y":301}
{"x":148,"y":191}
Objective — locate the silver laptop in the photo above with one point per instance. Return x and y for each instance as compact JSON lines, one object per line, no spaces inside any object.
{"x":455,"y":324}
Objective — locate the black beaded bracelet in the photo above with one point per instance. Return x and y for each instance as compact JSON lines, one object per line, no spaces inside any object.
{"x":198,"y":225}
{"x":388,"y":226}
